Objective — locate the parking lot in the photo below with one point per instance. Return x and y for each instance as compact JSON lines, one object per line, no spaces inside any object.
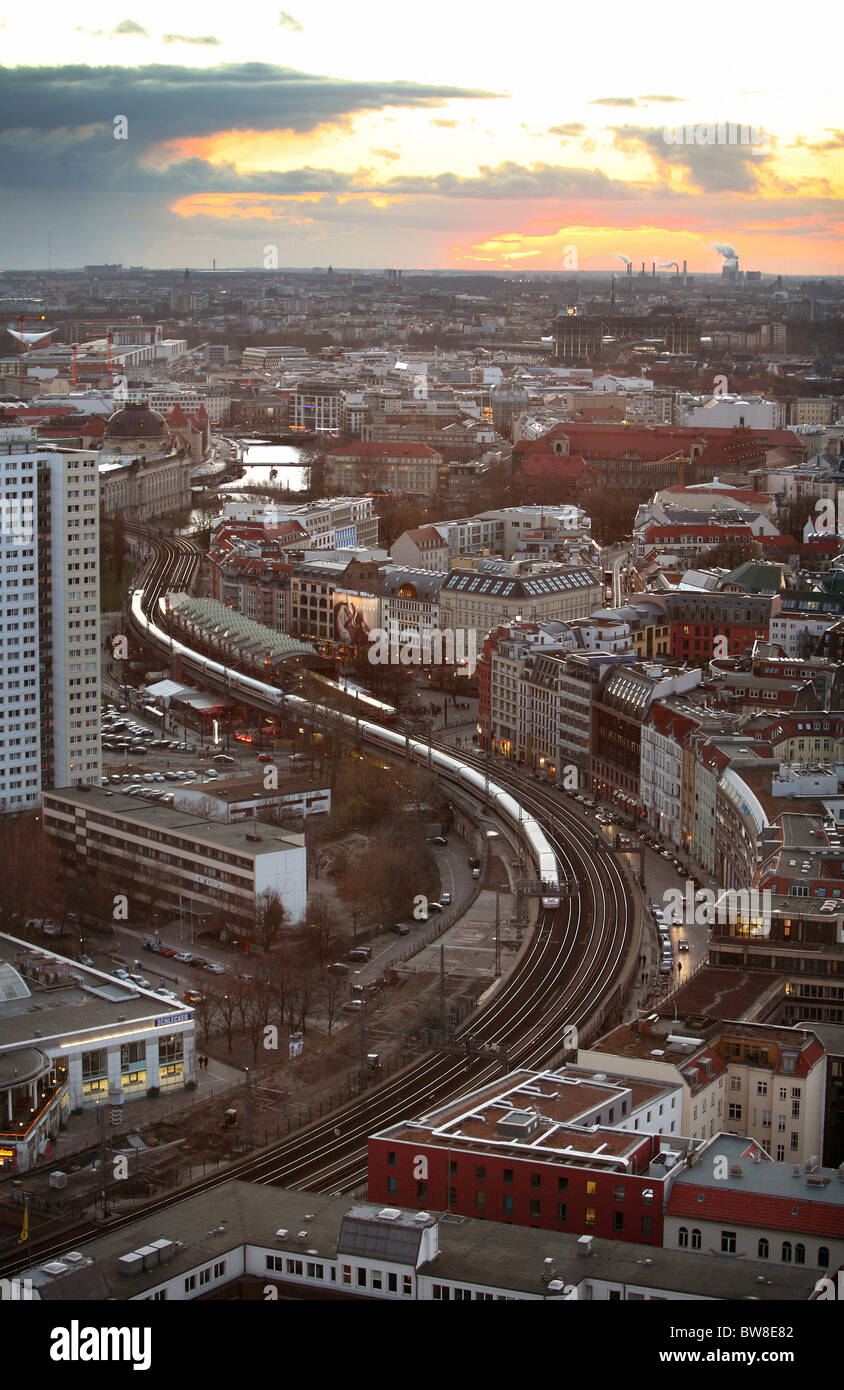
{"x":142,"y":760}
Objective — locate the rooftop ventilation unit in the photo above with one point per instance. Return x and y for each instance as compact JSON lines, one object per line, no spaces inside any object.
{"x":166,"y":1249}
{"x":54,"y":1268}
{"x":132,"y":1263}
{"x":518,"y":1124}
{"x":389,"y":1214}
{"x":584,"y":1245}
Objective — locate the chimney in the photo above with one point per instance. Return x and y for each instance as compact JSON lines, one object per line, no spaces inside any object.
{"x":653,"y":270}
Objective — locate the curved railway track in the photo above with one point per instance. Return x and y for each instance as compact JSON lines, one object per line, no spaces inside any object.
{"x":570,"y":965}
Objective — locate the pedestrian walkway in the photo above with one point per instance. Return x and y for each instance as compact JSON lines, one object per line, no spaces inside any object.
{"x":85,"y":1130}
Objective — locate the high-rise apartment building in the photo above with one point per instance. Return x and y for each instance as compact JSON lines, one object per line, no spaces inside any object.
{"x":49,"y":618}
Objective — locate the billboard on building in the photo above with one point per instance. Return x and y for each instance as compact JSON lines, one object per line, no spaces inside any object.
{"x":355,"y":616}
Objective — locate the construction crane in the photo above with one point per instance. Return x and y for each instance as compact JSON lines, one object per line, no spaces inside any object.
{"x":26,"y":340}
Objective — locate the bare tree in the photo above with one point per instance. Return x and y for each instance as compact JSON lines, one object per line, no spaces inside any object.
{"x":270,"y":914}
{"x":332,"y":991}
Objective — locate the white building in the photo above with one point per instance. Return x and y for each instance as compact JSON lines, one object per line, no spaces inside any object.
{"x":50,"y":623}
{"x":97,"y":1039}
{"x":177,"y":861}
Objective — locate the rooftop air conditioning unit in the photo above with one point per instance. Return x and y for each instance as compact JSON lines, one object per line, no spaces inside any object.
{"x":132,"y":1263}
{"x":584,"y":1245}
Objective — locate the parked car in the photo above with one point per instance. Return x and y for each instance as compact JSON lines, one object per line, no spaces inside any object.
{"x":361,"y":953}
{"x":223,"y":758}
{"x":401,"y":929}
{"x":353,"y":1006}
{"x":122,"y":974}
{"x":445,"y":899}
{"x":215,"y":967}
{"x":476,"y":873}
{"x":474,"y":863}
{"x":434,"y":907}
{"x":438,"y":840}
{"x":265,"y":757}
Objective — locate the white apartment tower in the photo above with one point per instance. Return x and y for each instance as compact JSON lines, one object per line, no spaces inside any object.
{"x":49,"y":618}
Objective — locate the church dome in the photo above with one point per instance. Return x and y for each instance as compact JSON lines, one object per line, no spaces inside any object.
{"x":136,"y":421}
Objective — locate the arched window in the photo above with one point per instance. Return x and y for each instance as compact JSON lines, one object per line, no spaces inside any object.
{"x":695,"y":1238}
{"x":786,"y":1252}
{"x":763,"y":1249}
{"x":799,"y":1254}
{"x":683,"y":1237}
{"x":823,"y":1257}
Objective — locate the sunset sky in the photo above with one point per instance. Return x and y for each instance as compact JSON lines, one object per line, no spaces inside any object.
{"x":443,"y":135}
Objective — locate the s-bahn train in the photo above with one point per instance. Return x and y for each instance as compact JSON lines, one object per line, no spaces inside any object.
{"x":392,"y":739}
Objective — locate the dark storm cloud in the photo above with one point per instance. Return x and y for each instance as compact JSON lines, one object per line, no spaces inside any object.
{"x":164,"y":102}
{"x":710,"y":168}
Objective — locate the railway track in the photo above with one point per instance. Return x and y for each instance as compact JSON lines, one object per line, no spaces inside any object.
{"x":572,"y":963}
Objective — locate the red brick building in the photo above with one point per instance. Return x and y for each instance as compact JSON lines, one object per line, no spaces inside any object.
{"x":561,"y":1151}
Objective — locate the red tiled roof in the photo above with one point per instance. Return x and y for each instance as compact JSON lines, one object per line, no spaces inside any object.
{"x":747,"y":1208}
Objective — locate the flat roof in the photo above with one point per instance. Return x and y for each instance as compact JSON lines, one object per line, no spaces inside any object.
{"x":234,"y":836}
{"x":207,"y":1226}
{"x":87,"y":1000}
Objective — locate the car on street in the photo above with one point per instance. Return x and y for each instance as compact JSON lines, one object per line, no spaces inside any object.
{"x":682,"y":944}
{"x":400,"y":929}
{"x":215,"y":967}
{"x":183,"y":957}
{"x":445,"y":898}
{"x":265,"y":757}
{"x":122,"y":974}
{"x":360,"y":953}
{"x":476,"y":873}
{"x":85,"y":960}
{"x":438,"y":840}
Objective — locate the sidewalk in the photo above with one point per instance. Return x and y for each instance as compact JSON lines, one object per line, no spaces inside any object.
{"x":84,"y":1130}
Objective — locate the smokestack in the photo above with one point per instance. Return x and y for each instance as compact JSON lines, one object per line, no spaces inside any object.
{"x":684,"y":272}
{"x":643,"y":267}
{"x":653,"y":270}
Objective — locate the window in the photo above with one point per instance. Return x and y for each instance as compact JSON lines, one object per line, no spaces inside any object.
{"x":618,"y":1193}
{"x":562,"y":1212}
{"x":795,"y":1110}
{"x":799,"y":1254}
{"x":294,"y":1266}
{"x":219,"y":1269}
{"x":452,"y":1197}
{"x":647,"y":1225}
{"x":392,"y":1283}
{"x":786,"y":1252}
{"x":376,"y":1278}
{"x":347,"y":1274}
{"x":407,"y":1284}
{"x":683,"y":1238}
{"x":734,"y":1112}
{"x":761,"y":1088}
{"x":392,"y":1186}
{"x":190,"y":1283}
{"x":695,"y":1238}
{"x":590,"y":1216}
{"x":536,"y":1179}
{"x":794,"y":1141}
{"x":452,"y":1167}
{"x":480,"y":1172}
{"x":535,"y":1209}
{"x":480,"y":1200}
{"x":507,"y":1204}
{"x":728,"y":1242}
{"x":823,"y":1257}
{"x":392,"y":1158}
{"x":421,"y":1192}
{"x":618,"y":1221}
{"x":562,"y":1184}
{"x":507,"y":1175}
{"x":361,"y":1278}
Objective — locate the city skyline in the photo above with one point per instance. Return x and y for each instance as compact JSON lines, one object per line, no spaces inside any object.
{"x":155,"y":137}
